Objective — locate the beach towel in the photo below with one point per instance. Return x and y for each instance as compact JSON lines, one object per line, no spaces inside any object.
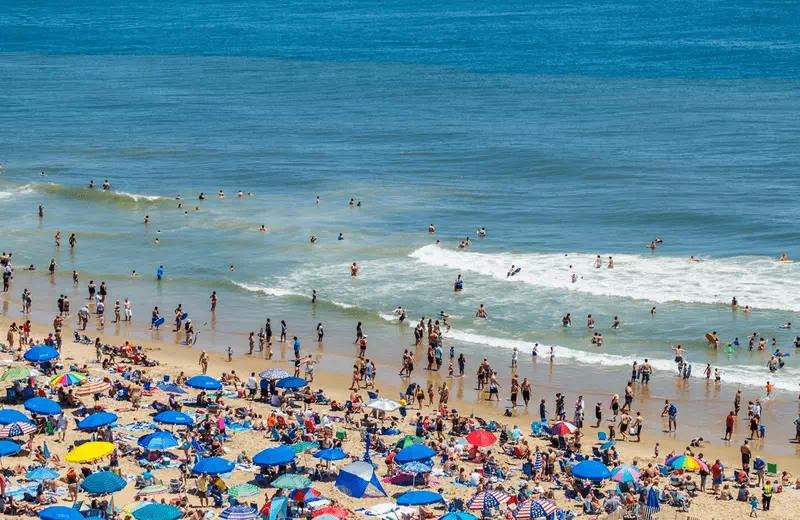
{"x":236,"y":427}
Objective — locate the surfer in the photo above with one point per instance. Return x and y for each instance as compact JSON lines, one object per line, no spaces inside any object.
{"x":610,"y":263}
{"x":598,"y":263}
{"x":787,"y":326}
{"x":514,"y":270}
{"x":692,"y":259}
{"x":354,"y":270}
{"x":459,"y":284}
{"x":106,"y":185}
{"x":481,"y":232}
{"x":784,"y":258}
{"x":481,"y":312}
{"x":431,"y":229}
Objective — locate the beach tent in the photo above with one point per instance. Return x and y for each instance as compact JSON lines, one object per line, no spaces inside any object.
{"x":359,"y":480}
{"x":278,"y":507}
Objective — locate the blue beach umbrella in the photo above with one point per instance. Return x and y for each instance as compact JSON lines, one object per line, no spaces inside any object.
{"x":60,"y":513}
{"x":239,"y":512}
{"x":9,"y":415}
{"x":416,"y":467}
{"x":459,"y":515}
{"x":157,"y":441}
{"x":419,"y":498}
{"x":414,"y":453}
{"x":41,"y":474}
{"x":173,"y":417}
{"x":157,"y":512}
{"x":97,"y":420}
{"x":171,"y":388}
{"x":103,"y":483}
{"x":291,"y":382}
{"x":330,"y":454}
{"x":41,"y":353}
{"x":652,"y":505}
{"x":591,"y":470}
{"x":42,"y":406}
{"x":274,"y":456}
{"x":204,"y":382}
{"x":8,"y":448}
{"x":608,"y":445}
{"x":213,"y":466}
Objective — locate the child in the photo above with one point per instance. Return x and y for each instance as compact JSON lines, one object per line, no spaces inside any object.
{"x":269,"y":350}
{"x":655,"y":450}
{"x":451,"y":369}
{"x":753,"y":507}
{"x":230,"y":353}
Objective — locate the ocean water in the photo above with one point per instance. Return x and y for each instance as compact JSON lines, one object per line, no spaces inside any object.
{"x":566,"y":130}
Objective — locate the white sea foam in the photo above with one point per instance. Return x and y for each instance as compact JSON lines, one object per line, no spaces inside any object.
{"x":25,"y":189}
{"x":140,"y":198}
{"x":759,"y":282}
{"x":269,"y":291}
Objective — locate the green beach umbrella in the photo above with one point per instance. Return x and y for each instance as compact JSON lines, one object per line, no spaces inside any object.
{"x":304,"y":446}
{"x":409,"y":440}
{"x":291,"y":481}
{"x":17,"y":373}
{"x":243,"y":491}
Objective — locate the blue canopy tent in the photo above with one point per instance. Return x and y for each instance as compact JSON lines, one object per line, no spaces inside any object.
{"x":274,"y":456}
{"x":359,"y":480}
{"x":97,"y":420}
{"x":204,"y":383}
{"x":42,"y":406}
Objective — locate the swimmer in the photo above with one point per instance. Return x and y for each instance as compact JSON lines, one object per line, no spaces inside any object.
{"x":180,"y":205}
{"x":462,"y":245}
{"x":249,"y":193}
{"x":134,"y":274}
{"x":185,"y":213}
{"x":157,"y":241}
{"x":438,"y":242}
{"x":358,"y":205}
{"x":653,"y":311}
{"x":202,"y":196}
{"x":147,"y":219}
{"x":459,"y":284}
{"x":787,"y":326}
{"x":239,"y":195}
{"x":106,"y":185}
{"x":590,"y":322}
{"x":651,"y":245}
{"x":481,"y":312}
{"x":734,"y":303}
{"x":317,"y":200}
{"x":747,"y":309}
{"x":354,"y":270}
{"x":466,"y":242}
{"x":783,"y":258}
{"x":30,"y":268}
{"x":598,"y":263}
{"x":91,"y":184}
{"x":178,"y":197}
{"x":341,"y":236}
{"x":41,"y":210}
{"x":58,"y":238}
{"x":481,"y":232}
{"x":352,"y":203}
{"x":692,"y":259}
{"x":574,"y":277}
{"x":197,"y":208}
{"x":221,"y":194}
{"x":312,"y":239}
{"x":431,"y":229}
{"x":158,"y":231}
{"x":566,"y":321}
{"x":615,"y":325}
{"x":610,"y":263}
{"x":535,"y":350}
{"x":263,"y":229}
{"x":233,"y":269}
{"x":43,"y":173}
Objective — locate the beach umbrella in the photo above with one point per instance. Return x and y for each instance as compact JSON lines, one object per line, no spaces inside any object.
{"x":383,"y":404}
{"x":243,"y":491}
{"x":18,"y":373}
{"x":274,"y":373}
{"x":303,"y":446}
{"x":458,"y":515}
{"x":41,"y":353}
{"x":42,"y":406}
{"x":155,"y":489}
{"x":67,"y":379}
{"x":213,"y":466}
{"x":563,"y":428}
{"x":416,"y":467}
{"x":419,"y":498}
{"x":159,"y":440}
{"x":97,"y":420}
{"x":9,"y":415}
{"x":157,"y":512}
{"x":626,"y":473}
{"x":93,"y":388}
{"x":41,"y":474}
{"x":358,"y":479}
{"x":17,"y":429}
{"x":337,"y":511}
{"x":204,"y":383}
{"x":8,"y":448}
{"x":608,"y":445}
{"x":535,"y":508}
{"x":481,"y":501}
{"x":60,"y":513}
{"x":481,"y":438}
{"x":501,"y":496}
{"x":413,"y":453}
{"x":171,"y":388}
{"x":330,"y":517}
{"x":330,"y":454}
{"x":591,"y":470}
{"x":687,"y":463}
{"x":408,"y":440}
{"x":537,"y":461}
{"x":103,"y":483}
{"x":291,"y":481}
{"x":277,"y":456}
{"x":291,"y":382}
{"x":133,"y":506}
{"x":89,"y":452}
{"x":239,"y":512}
{"x":173,"y":417}
{"x":652,"y":505}
{"x":304,"y":495}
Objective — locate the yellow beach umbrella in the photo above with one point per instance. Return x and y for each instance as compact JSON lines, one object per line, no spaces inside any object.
{"x":89,"y":452}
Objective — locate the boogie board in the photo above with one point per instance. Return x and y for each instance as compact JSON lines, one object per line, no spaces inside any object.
{"x":159,"y":322}
{"x":711,"y":339}
{"x":184,"y":316}
{"x":786,"y":261}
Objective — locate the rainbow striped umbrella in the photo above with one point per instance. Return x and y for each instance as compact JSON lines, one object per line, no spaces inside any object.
{"x":626,"y":473}
{"x":535,"y":508}
{"x":687,"y":463}
{"x":563,"y":428}
{"x":16,"y":429}
{"x":153,"y":490}
{"x":68,"y":379}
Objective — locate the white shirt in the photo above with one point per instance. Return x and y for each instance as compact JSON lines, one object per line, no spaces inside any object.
{"x":252,"y":384}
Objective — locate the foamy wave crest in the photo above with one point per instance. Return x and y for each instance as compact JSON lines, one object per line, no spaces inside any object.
{"x":757,"y":376}
{"x":25,"y":189}
{"x":140,"y":198}
{"x":269,"y":291}
{"x":756,"y":281}
{"x":343,"y":305}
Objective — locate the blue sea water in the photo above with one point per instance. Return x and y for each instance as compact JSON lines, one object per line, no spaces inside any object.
{"x":566,"y":130}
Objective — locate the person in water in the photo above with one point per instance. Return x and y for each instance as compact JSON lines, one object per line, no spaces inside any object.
{"x":354,"y":270}
{"x":481,"y":232}
{"x":598,"y":263}
{"x":481,"y":312}
{"x":459,"y":284}
{"x":566,"y":321}
{"x":431,"y":229}
{"x":341,"y":236}
{"x":784,"y":258}
{"x":514,"y":270}
{"x":692,"y":259}
{"x":106,"y":185}
{"x":202,"y":196}
{"x":610,"y":263}
{"x":312,"y":239}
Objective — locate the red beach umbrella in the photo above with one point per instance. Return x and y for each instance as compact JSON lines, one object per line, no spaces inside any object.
{"x":481,"y":438}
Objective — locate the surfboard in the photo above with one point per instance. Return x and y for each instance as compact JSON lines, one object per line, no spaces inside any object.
{"x":184,"y":315}
{"x":786,"y":261}
{"x":159,"y":322}
{"x":711,"y":339}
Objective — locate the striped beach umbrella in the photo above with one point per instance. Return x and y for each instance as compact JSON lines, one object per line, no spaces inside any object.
{"x":535,"y":508}
{"x":18,"y":373}
{"x":562,"y":428}
{"x":537,"y":461}
{"x":155,"y":489}
{"x":304,"y":495}
{"x":67,"y":379}
{"x":626,"y":473}
{"x":239,"y":512}
{"x":481,"y":501}
{"x":93,"y":387}
{"x":291,"y":481}
{"x":687,"y":463}
{"x":243,"y":491}
{"x":17,"y":429}
{"x":501,"y":496}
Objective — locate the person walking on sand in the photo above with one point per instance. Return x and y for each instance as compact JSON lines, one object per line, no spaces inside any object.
{"x":203,"y":362}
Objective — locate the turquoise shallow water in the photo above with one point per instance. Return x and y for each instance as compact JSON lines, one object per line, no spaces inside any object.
{"x":575,"y":129}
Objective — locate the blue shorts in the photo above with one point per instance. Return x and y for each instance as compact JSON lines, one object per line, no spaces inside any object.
{"x":716,"y":480}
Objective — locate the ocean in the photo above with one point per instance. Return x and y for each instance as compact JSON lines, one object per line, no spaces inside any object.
{"x":566,"y":130}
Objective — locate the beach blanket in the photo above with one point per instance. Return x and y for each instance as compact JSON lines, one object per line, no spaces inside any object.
{"x":236,"y":427}
{"x":140,"y":426}
{"x":248,"y":467}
